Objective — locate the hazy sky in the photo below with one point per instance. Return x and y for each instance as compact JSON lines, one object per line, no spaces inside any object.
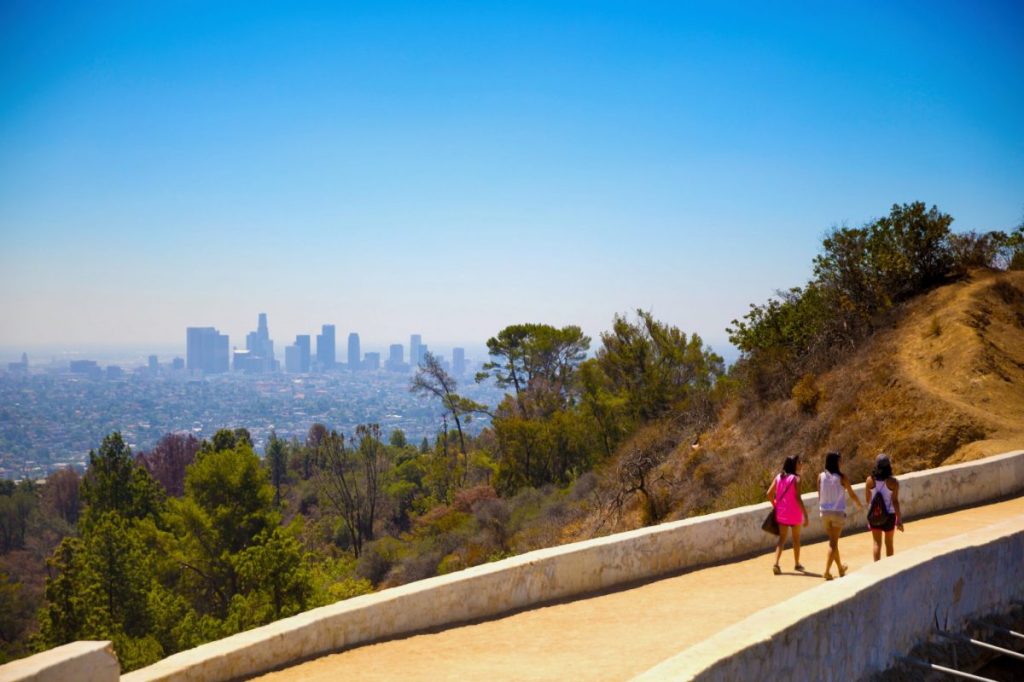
{"x":451,"y":168}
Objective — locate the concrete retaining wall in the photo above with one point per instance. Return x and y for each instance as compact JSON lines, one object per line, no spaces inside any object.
{"x":850,"y":628}
{"x":79,"y":661}
{"x":551,"y":574}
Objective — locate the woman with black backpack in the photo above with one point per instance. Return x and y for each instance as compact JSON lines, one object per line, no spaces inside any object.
{"x":882,"y":495}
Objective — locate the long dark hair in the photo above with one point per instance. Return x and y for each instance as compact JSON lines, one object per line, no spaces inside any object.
{"x":883,"y":468}
{"x":789,"y":466}
{"x":832,"y":464}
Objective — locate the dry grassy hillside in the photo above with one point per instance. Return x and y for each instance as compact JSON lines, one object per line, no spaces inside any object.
{"x":944,"y":384}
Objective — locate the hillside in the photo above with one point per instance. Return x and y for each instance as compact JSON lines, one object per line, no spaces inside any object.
{"x":943,"y":383}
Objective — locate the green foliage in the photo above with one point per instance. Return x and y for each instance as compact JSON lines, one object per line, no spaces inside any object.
{"x":17,"y":504}
{"x":860,"y":274}
{"x":115,"y":483}
{"x":657,"y":369}
{"x":277,"y":463}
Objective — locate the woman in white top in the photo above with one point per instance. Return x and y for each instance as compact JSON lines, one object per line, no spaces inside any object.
{"x":833,"y":486}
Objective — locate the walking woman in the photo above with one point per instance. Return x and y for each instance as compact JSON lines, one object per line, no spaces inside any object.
{"x":884,"y":516}
{"x":784,"y":494}
{"x":833,"y":487}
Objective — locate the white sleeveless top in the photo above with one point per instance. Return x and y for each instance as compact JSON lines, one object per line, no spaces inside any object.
{"x":831,"y":495}
{"x":881,"y":487}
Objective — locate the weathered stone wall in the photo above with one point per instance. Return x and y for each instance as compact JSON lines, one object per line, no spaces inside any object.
{"x":851,"y":628}
{"x":79,"y":661}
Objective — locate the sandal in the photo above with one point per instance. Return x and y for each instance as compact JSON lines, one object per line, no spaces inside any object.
{"x":828,"y":576}
{"x":799,"y":567}
{"x":776,"y":570}
{"x":843,"y":569}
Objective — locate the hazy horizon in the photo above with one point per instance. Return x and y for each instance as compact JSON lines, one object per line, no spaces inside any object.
{"x":450,"y":169}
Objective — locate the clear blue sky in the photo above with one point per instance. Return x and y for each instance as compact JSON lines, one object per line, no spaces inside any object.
{"x":450,"y":168}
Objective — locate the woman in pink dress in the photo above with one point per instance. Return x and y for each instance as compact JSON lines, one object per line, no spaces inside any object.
{"x":784,"y":494}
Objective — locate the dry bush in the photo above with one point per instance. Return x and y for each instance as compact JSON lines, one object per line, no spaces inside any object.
{"x":807,"y":394}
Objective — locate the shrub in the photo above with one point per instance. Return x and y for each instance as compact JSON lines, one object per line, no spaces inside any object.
{"x":807,"y":394}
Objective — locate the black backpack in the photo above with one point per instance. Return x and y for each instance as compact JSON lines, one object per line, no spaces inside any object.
{"x":878,"y":515}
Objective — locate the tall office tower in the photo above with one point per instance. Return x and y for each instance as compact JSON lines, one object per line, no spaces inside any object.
{"x":206,"y":350}
{"x":414,"y":350}
{"x":396,"y":359}
{"x":297,"y":356}
{"x":154,"y":365}
{"x":302,"y":341}
{"x":325,"y":347}
{"x":353,"y":352}
{"x":260,"y":357}
{"x":291,"y":359}
{"x":371,"y":361}
{"x":458,"y":361}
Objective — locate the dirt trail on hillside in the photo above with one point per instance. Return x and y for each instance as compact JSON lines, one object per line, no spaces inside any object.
{"x":964,"y":349}
{"x":618,"y":635}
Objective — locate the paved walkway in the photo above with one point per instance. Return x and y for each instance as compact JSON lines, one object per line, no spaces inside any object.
{"x":618,"y":635}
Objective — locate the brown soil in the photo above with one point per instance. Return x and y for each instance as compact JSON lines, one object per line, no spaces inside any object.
{"x":620,"y":634}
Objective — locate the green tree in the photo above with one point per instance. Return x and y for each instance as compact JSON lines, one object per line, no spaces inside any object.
{"x":228,"y":502}
{"x":114,"y":482}
{"x":432,"y":379}
{"x":353,"y":480}
{"x":658,"y":368}
{"x":277,"y":463}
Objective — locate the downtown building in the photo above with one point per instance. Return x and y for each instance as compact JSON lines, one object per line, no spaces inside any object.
{"x":206,"y":350}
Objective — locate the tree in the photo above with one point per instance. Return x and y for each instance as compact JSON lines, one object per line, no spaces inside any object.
{"x":227,"y":504}
{"x":353,"y":479}
{"x":114,"y":482}
{"x":432,"y":379}
{"x":15,"y":509}
{"x":277,"y":462}
{"x":168,"y":459}
{"x":62,"y":494}
{"x":536,"y":358}
{"x":657,"y":368}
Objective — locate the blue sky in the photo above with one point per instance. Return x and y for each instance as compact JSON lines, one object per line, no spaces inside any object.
{"x":451,"y":168}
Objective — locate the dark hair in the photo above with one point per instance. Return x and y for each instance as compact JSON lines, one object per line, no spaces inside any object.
{"x":832,"y":463}
{"x":883,"y":468}
{"x":789,"y":466}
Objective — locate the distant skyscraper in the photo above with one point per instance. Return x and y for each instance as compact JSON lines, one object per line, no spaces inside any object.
{"x":325,"y":356}
{"x":371,"y":361}
{"x":458,"y":361}
{"x":154,"y":364}
{"x":302,"y":341}
{"x":415,"y":355}
{"x":396,"y":358}
{"x":206,"y":350}
{"x":353,"y":352}
{"x":260,"y":356}
{"x":297,"y":356}
{"x":20,"y":367}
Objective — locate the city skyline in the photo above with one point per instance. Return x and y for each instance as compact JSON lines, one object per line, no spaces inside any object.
{"x":455,"y":169}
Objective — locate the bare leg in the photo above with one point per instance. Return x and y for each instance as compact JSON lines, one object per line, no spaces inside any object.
{"x":783,"y":531}
{"x":833,"y":551}
{"x":796,"y":545}
{"x":888,"y":542}
{"x":876,"y":544}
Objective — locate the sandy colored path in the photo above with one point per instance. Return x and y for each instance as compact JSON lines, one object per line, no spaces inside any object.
{"x":617,"y":635}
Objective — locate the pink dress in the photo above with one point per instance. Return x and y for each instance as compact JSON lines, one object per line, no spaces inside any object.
{"x":788,"y":511}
